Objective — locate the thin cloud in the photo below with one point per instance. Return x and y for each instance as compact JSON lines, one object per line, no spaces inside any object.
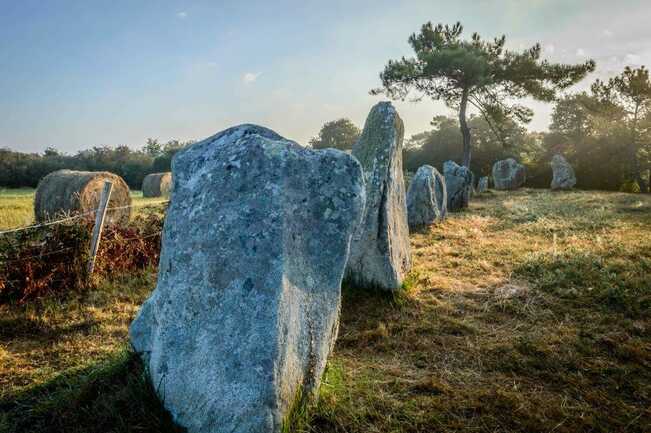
{"x":632,"y":59}
{"x":182,"y":14}
{"x":581,"y":53}
{"x":250,"y":77}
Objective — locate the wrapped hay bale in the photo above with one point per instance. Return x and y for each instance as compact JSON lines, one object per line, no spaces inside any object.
{"x":68,"y":192}
{"x":157,"y":185}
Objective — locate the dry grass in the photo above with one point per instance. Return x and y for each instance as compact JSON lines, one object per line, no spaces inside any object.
{"x":531,"y":312}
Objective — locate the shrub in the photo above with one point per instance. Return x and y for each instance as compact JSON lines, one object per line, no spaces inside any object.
{"x":136,"y":246}
{"x":630,"y":186}
{"x":52,"y":260}
{"x":42,"y":261}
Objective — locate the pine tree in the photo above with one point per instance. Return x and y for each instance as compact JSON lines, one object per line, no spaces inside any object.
{"x":477,"y":73}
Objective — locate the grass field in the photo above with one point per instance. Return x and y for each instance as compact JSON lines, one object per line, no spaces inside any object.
{"x":530,"y":312}
{"x":17,"y":206}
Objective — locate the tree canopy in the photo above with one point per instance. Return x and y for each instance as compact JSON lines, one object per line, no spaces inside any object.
{"x":19,"y":169}
{"x":339,"y":134}
{"x":627,"y":97}
{"x":479,"y":73}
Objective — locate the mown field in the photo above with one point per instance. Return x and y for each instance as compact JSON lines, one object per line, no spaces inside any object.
{"x":530,"y":312}
{"x":17,"y":206}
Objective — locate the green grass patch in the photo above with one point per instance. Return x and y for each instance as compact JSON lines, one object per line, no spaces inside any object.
{"x":17,"y":206}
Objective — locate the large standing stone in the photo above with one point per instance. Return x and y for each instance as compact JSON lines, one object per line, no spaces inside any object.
{"x":458,"y":183}
{"x":246,"y":307}
{"x":564,"y":177}
{"x":426,"y":197}
{"x":508,"y":174}
{"x":379,"y":252}
{"x":482,"y":186}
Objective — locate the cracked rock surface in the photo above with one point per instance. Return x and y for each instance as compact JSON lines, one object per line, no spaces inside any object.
{"x":426,"y":197}
{"x":458,"y":183}
{"x":246,"y":309}
{"x":380,"y":254}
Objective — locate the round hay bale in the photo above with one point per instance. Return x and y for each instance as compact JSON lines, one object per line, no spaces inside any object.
{"x":157,"y":185}
{"x":67,"y":192}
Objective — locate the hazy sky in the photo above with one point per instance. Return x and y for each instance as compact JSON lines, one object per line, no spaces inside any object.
{"x":79,"y":73}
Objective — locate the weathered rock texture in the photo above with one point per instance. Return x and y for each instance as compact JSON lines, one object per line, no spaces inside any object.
{"x":563,"y":173}
{"x":482,"y":186}
{"x":426,"y":197}
{"x":379,"y":252}
{"x":68,"y":192}
{"x":458,"y":183}
{"x":441,"y":194}
{"x":508,"y":174}
{"x":157,"y":185}
{"x":246,"y":307}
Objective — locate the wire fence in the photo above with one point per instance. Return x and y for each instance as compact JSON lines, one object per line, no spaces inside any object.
{"x":67,"y":220}
{"x":60,"y":255}
{"x":62,"y":250}
{"x":78,"y":216}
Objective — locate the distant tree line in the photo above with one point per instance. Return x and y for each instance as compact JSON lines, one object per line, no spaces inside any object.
{"x":18,"y":169}
{"x":604,"y":133}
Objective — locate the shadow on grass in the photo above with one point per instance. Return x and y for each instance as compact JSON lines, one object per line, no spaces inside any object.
{"x":353,"y":294}
{"x":114,"y":396}
{"x":586,"y":279}
{"x":12,"y":329}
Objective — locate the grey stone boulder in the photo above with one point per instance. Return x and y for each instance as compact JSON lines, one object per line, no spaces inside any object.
{"x":563,"y":173}
{"x":482,"y":186}
{"x":426,"y":197}
{"x":380,"y":253}
{"x":508,"y":174}
{"x":246,"y":308}
{"x":458,"y":184}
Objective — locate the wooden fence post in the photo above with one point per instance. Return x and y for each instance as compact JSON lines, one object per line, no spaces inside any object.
{"x":99,"y":224}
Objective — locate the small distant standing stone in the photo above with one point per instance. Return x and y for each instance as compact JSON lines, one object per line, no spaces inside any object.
{"x":246,"y":308}
{"x":380,"y":252}
{"x":563,"y":173}
{"x":483,"y":185}
{"x":508,"y":174}
{"x":473,"y":183}
{"x":426,"y":197}
{"x":458,"y":182}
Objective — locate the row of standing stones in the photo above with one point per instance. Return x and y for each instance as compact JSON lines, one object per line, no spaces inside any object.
{"x":508,"y":174}
{"x":258,"y":236}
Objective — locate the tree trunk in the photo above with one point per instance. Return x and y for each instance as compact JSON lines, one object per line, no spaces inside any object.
{"x":636,"y":172}
{"x":465,"y":131}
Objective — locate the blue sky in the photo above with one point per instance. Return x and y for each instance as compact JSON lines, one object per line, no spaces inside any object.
{"x":74,"y":74}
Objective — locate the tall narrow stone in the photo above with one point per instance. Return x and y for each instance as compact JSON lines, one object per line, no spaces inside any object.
{"x":426,"y":197}
{"x":482,"y":186}
{"x":458,"y":182}
{"x":563,"y":173}
{"x":380,"y":253}
{"x":246,"y":308}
